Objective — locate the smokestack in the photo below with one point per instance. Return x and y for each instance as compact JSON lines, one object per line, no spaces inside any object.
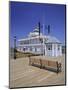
{"x":39,"y":28}
{"x":48,"y":29}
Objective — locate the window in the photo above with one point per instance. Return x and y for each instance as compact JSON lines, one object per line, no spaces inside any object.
{"x":34,"y":41}
{"x":41,"y":40}
{"x":24,"y":42}
{"x":21,"y":42}
{"x":58,"y":47}
{"x":30,"y":48}
{"x":49,"y":46}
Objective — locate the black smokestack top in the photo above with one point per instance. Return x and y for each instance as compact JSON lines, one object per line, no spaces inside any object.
{"x":48,"y":29}
{"x":39,"y":28}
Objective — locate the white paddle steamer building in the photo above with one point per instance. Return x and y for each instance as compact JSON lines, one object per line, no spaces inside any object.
{"x":43,"y":44}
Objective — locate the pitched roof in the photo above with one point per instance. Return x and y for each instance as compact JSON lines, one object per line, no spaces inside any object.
{"x":51,"y":39}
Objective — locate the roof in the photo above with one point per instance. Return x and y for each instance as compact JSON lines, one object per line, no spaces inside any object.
{"x":48,"y":39}
{"x":51,"y":39}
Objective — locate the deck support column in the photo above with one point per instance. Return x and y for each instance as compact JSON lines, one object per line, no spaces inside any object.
{"x":56,"y":50}
{"x":45,"y":51}
{"x":52,"y":49}
{"x":60,"y":50}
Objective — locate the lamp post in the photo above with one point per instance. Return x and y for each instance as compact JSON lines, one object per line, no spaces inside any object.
{"x":14,"y":47}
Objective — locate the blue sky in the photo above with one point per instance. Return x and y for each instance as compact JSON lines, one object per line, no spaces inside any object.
{"x":24,"y":17}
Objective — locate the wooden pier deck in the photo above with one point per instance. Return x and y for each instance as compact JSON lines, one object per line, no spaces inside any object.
{"x":24,"y":75}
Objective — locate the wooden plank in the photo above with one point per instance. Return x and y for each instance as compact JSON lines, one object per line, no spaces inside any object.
{"x":52,"y":63}
{"x":46,"y":63}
